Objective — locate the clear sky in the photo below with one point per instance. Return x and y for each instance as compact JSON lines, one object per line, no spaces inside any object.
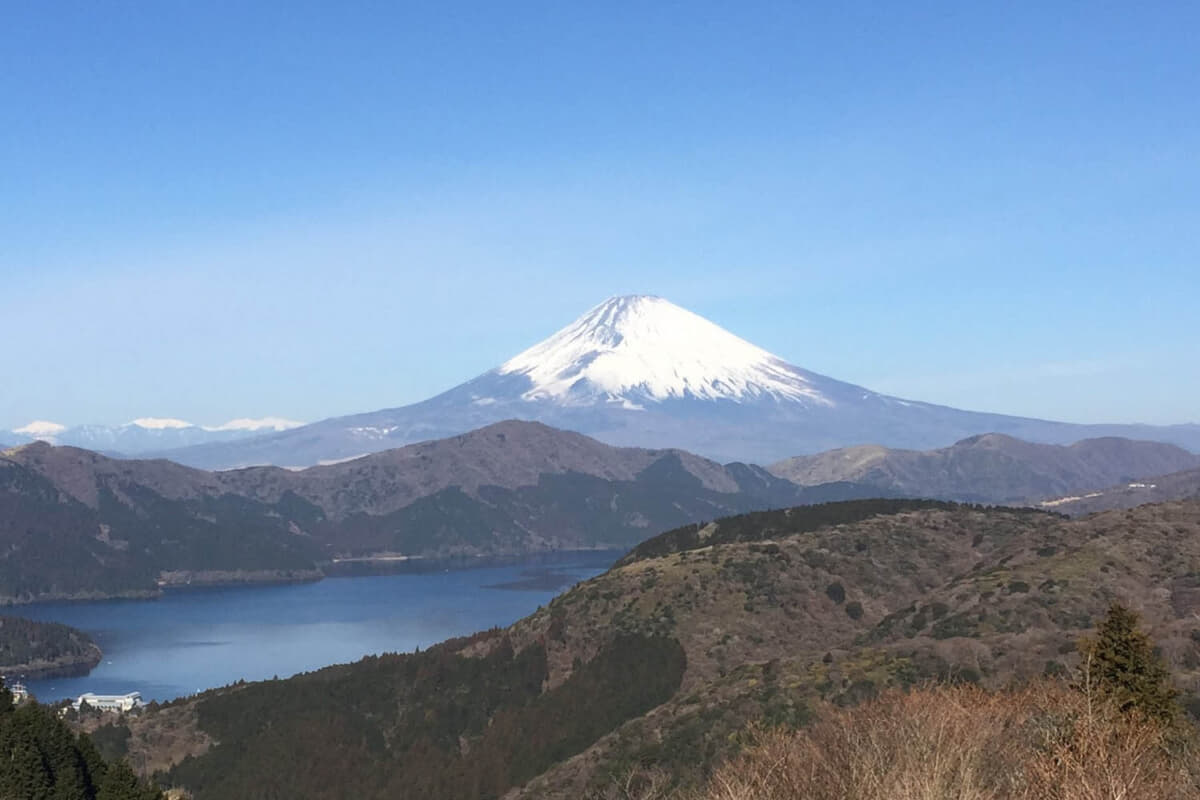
{"x":302,"y":209}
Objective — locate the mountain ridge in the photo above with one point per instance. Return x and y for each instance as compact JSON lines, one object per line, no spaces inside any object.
{"x":75,"y":523}
{"x":991,"y":468}
{"x":508,"y":488}
{"x":510,"y":454}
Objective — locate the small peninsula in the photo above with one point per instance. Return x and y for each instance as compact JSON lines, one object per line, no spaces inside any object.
{"x":32,"y":649}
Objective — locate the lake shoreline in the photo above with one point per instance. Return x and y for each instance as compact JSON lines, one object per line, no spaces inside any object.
{"x":15,"y":601}
{"x":196,"y":637}
{"x":174,"y":579}
{"x":342,"y":567}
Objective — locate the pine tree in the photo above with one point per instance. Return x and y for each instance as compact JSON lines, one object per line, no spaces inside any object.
{"x":41,"y":759}
{"x":119,"y":783}
{"x":1120,"y":664}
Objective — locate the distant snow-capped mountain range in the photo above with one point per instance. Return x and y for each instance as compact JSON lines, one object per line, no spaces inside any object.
{"x":641,"y":371}
{"x":145,"y":434}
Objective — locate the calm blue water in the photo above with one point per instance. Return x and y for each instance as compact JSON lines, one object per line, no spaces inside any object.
{"x":194,"y":639}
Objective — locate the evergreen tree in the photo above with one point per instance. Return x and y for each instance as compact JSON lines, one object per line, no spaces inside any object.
{"x":1121,"y":665}
{"x":41,"y":759}
{"x":120,"y":783}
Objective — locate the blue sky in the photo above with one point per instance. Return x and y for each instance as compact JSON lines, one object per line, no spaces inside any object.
{"x":303,"y":210}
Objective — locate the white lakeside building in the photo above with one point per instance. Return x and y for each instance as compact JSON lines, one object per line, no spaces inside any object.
{"x":110,"y":702}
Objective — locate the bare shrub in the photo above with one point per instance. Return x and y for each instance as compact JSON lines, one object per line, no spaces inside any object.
{"x":639,"y":783}
{"x":1042,"y":742}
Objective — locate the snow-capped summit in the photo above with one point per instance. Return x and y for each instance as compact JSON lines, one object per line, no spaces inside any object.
{"x":641,"y":348}
{"x":41,"y":429}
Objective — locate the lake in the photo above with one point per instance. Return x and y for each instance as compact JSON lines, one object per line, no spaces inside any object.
{"x":195,"y":639}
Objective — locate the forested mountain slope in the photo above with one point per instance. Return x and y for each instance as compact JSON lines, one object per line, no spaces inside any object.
{"x":666,"y":656}
{"x":54,"y":546}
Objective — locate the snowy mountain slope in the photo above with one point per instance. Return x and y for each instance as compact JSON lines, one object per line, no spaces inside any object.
{"x":39,"y":429}
{"x":632,"y":350}
{"x":144,"y":434}
{"x":640,"y":371}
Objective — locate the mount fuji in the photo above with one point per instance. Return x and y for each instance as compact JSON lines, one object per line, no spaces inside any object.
{"x":641,"y":371}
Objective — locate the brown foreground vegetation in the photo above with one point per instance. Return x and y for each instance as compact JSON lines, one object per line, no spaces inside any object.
{"x":1045,"y":741}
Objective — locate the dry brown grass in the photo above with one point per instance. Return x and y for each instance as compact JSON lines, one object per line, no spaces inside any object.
{"x":1042,"y":742}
